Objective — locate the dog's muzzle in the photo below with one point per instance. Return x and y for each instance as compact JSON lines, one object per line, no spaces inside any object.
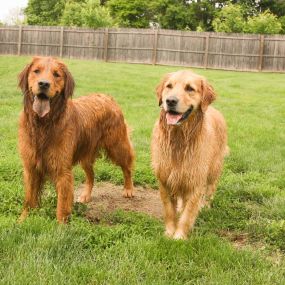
{"x":175,"y":118}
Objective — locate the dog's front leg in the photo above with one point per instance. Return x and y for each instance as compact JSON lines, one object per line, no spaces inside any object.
{"x":64,"y":188}
{"x":189,"y":214}
{"x":169,"y":205}
{"x":33,"y":181}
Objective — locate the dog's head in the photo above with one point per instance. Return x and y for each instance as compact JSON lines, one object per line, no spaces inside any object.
{"x":44,"y":79}
{"x":182,"y":93}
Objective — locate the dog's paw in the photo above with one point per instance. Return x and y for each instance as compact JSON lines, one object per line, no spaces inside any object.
{"x":84,"y":198}
{"x":23,"y":216}
{"x":169,"y":233}
{"x":128,"y":193}
{"x":179,"y":235}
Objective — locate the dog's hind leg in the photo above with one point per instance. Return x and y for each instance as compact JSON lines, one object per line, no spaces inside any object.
{"x":212,"y":182}
{"x":33,"y":181}
{"x":122,"y":154}
{"x":85,"y":197}
{"x":210,"y":192}
{"x":124,"y":159}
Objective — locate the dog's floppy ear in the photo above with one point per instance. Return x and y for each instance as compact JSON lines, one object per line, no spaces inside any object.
{"x":208,"y":95}
{"x":160,"y":87}
{"x":23,"y":78}
{"x":69,"y":83}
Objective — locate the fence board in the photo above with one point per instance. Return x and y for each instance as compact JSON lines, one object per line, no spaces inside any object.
{"x":165,"y":47}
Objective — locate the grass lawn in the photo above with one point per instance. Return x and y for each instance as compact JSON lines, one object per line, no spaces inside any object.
{"x":241,"y":240}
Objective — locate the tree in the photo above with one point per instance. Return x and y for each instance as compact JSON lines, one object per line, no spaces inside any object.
{"x":203,"y":13}
{"x":44,"y":12}
{"x":230,"y":19}
{"x":96,"y":16}
{"x":264,"y":23}
{"x":282,"y":22}
{"x":172,"y":14}
{"x":87,"y":14}
{"x":276,"y":7}
{"x":72,"y":15}
{"x":182,"y":14}
{"x":136,"y":13}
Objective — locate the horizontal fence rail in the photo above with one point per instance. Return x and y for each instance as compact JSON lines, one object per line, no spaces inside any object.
{"x":246,"y":52}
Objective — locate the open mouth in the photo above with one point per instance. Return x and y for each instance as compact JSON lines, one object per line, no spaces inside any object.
{"x":175,"y":118}
{"x":41,"y":104}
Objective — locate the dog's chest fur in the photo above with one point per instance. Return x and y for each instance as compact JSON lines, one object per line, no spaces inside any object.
{"x":177,"y":158}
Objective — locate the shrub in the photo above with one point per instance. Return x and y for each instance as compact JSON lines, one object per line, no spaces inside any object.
{"x":229,"y":19}
{"x":264,"y":23}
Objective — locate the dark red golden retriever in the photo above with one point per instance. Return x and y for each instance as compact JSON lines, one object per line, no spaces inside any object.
{"x":56,"y":132}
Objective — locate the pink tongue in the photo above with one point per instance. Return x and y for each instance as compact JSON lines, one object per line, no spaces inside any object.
{"x":41,"y":106}
{"x":172,"y":119}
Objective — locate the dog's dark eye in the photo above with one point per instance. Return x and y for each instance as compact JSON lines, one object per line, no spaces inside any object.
{"x":169,"y":85}
{"x":55,"y":74}
{"x":188,"y":88}
{"x":37,"y":71}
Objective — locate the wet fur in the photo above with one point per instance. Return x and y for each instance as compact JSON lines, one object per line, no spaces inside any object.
{"x":74,"y":131}
{"x":188,"y":159}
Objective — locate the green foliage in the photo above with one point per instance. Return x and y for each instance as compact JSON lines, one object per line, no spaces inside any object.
{"x":168,"y":14}
{"x":202,"y":14}
{"x":173,"y":14}
{"x":282,"y":22}
{"x":86,"y":14}
{"x":206,"y":15}
{"x":264,"y":23}
{"x":277,"y":7}
{"x":135,"y":14}
{"x":233,"y":19}
{"x":96,"y":16}
{"x":44,"y":12}
{"x":72,"y":15}
{"x":230,"y":19}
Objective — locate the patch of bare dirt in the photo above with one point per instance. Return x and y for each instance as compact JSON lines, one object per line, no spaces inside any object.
{"x":239,"y":240}
{"x":107,"y":198}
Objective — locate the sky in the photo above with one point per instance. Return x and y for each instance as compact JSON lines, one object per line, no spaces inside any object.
{"x":7,"y":5}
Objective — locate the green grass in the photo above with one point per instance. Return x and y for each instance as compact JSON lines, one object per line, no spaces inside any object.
{"x":130,"y":248}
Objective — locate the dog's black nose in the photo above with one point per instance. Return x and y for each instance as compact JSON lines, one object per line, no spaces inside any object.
{"x":171,"y":101}
{"x":44,"y":84}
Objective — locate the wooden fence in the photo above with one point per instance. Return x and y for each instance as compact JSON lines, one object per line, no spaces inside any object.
{"x":249,"y":52}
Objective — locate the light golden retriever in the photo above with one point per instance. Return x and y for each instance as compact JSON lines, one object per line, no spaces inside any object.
{"x":189,"y":144}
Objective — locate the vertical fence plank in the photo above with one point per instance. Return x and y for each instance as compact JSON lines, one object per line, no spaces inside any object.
{"x":261,"y":52}
{"x":206,"y":54}
{"x":61,"y":42}
{"x":154,"y":52}
{"x":20,"y":39}
{"x":106,"y":40}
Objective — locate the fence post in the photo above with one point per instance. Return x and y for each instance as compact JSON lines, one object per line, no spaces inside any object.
{"x":206,"y":54}
{"x":61,"y":42}
{"x":154,"y":52}
{"x":20,"y":39}
{"x":261,"y":51}
{"x":106,"y":40}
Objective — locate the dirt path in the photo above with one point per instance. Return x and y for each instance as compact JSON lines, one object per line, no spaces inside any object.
{"x":107,"y":198}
